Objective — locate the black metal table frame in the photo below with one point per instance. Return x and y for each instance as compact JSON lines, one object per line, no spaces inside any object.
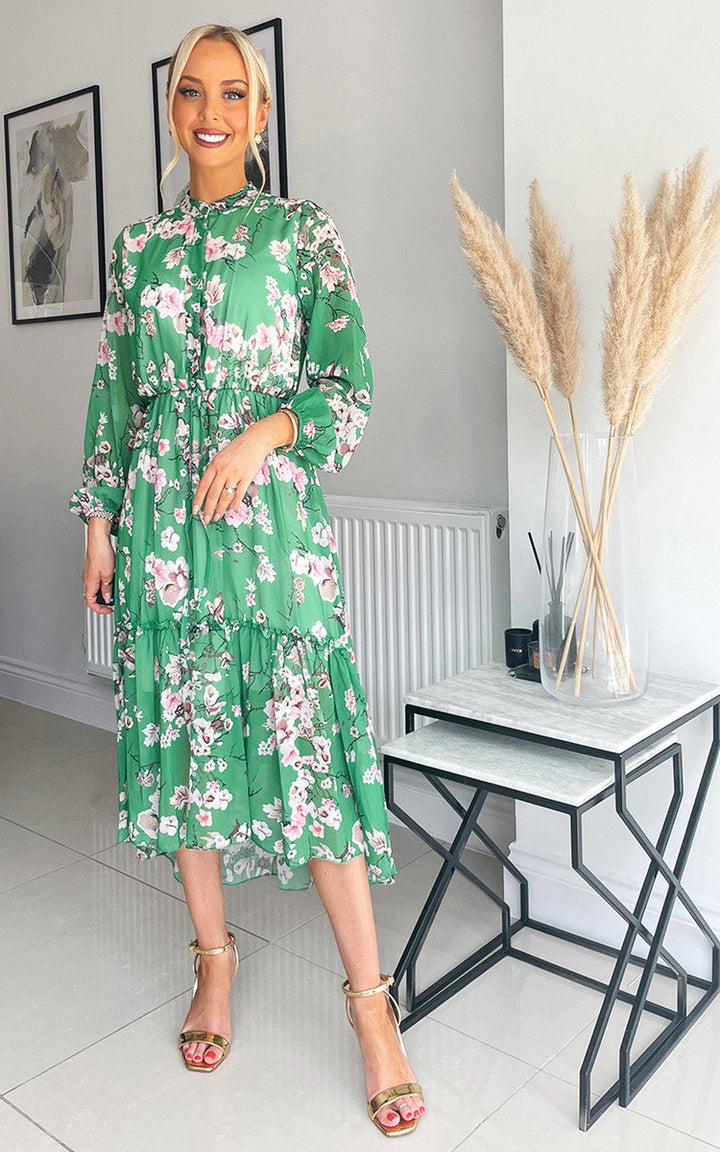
{"x":632,"y":1073}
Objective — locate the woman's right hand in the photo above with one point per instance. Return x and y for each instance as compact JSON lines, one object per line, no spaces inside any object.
{"x":99,"y":564}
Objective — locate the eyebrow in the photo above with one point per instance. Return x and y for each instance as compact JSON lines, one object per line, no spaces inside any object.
{"x":197,"y":81}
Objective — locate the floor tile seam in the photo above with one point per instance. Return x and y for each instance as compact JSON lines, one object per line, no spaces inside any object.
{"x":633,"y":1107}
{"x":477,"y":1040}
{"x":180,"y":897}
{"x":543,"y":1067}
{"x":595,"y":1096}
{"x":51,"y":839}
{"x":100,"y":1039}
{"x":320,"y":912}
{"x":316,"y":915}
{"x":84,"y":856}
{"x":40,"y":876}
{"x":512,"y":1095}
{"x":540,"y":1067}
{"x":36,"y":1124}
{"x":568,"y":1043}
{"x":299,"y":956}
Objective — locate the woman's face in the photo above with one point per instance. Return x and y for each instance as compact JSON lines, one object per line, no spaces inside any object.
{"x":211,"y":98}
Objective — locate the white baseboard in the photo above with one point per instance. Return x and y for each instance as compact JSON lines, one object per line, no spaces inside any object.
{"x":90,"y":700}
{"x":560,"y":897}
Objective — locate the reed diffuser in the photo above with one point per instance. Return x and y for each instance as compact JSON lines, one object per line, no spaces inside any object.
{"x":661,"y":256}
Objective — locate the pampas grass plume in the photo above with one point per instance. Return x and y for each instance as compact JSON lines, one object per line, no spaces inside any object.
{"x":506,"y":288}
{"x":680,"y":234}
{"x":554,"y":280}
{"x":627,"y":311}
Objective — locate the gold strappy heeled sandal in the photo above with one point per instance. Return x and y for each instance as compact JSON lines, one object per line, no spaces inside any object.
{"x":387,"y":1095}
{"x":206,"y":1037}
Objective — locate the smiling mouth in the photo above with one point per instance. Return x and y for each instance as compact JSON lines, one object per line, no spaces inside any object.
{"x":213,"y":139}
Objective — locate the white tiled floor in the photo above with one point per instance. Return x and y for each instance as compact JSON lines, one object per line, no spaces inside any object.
{"x":96,"y":980}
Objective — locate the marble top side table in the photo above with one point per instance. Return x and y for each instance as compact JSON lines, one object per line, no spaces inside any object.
{"x":507,"y":736}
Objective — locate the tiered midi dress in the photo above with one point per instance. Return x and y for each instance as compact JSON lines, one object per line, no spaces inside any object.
{"x":242,"y":723}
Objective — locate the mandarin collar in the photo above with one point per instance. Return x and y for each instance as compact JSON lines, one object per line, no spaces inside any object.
{"x":200,"y":207}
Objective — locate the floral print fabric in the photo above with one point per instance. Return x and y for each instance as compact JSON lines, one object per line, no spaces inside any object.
{"x":242,"y":721}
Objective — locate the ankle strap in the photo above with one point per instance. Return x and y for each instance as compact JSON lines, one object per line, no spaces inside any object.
{"x":195,"y":947}
{"x":387,"y":980}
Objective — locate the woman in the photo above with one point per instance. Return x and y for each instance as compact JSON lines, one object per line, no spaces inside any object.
{"x":245,"y":746}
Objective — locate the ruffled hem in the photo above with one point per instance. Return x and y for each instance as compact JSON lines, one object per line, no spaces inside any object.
{"x":248,"y":860}
{"x":254,"y":741}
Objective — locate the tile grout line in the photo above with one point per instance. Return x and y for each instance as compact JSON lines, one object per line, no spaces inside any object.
{"x":128,"y":1023}
{"x":46,"y":1131}
{"x":643,"y":1115}
{"x":40,"y":876}
{"x":51,"y":839}
{"x":180,"y":897}
{"x":94,"y":857}
{"x":490,"y":1114}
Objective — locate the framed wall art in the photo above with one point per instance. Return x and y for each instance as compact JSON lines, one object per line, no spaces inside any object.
{"x":268,"y":38}
{"x":55,"y":208}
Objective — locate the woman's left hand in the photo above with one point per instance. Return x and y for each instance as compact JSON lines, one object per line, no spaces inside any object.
{"x":234,"y":466}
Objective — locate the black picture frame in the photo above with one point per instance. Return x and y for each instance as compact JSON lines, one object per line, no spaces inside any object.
{"x":268,"y":38}
{"x":56,"y":220}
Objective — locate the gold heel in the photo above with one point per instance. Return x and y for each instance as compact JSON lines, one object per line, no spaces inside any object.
{"x":387,"y":1095}
{"x":206,"y":1037}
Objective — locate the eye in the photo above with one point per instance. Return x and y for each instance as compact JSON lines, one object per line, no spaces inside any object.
{"x":230,"y":92}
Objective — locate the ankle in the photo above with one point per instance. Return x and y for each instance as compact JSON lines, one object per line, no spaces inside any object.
{"x":214,"y":940}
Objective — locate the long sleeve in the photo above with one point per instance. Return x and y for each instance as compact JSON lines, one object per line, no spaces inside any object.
{"x":114,"y":413}
{"x":333,"y":410}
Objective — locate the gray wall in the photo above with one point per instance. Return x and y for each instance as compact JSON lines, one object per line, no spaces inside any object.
{"x":593,"y":91}
{"x":383,"y":101}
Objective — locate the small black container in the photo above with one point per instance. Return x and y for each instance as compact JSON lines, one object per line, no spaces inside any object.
{"x":516,"y":646}
{"x":555,"y":629}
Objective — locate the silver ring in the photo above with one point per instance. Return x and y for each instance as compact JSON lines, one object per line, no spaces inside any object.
{"x":230,"y":490}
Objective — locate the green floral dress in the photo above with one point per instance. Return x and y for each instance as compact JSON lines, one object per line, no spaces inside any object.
{"x":242,"y":722}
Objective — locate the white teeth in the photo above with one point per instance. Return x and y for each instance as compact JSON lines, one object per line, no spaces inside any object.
{"x":209,"y":138}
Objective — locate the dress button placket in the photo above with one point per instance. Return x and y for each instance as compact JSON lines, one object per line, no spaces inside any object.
{"x":196,"y":388}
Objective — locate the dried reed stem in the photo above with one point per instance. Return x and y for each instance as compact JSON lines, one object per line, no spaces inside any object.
{"x":509,"y":293}
{"x":556,"y":290}
{"x":625,"y":320}
{"x":682,"y":227}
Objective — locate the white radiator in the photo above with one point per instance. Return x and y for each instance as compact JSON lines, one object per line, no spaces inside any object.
{"x":427,"y":595}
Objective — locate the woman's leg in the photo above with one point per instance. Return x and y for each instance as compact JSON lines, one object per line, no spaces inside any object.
{"x":210,"y":1007}
{"x":345,"y":892}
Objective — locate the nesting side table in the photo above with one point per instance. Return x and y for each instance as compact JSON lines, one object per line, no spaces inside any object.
{"x":506,"y":736}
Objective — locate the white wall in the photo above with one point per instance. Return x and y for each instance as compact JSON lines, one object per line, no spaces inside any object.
{"x":592,"y":91}
{"x":383,"y":101}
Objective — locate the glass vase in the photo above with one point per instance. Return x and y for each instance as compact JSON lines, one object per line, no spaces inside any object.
{"x":593,"y":624}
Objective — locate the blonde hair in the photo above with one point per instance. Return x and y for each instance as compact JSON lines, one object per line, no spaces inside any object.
{"x":257,"y":74}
